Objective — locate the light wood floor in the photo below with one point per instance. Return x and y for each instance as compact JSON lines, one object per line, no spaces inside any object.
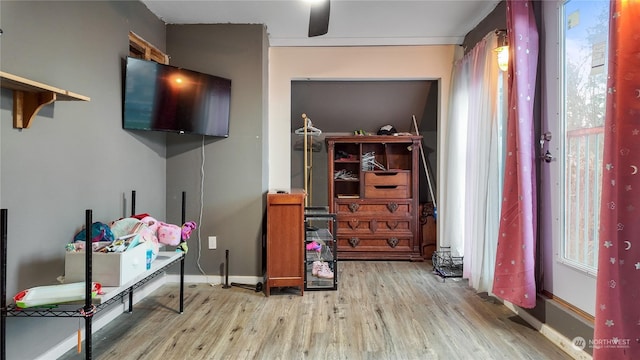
{"x":381,"y":310}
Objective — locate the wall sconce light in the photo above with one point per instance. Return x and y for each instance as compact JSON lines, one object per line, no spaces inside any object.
{"x":502,"y":50}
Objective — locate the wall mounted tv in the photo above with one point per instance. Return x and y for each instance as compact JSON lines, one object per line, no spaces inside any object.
{"x":161,"y":97}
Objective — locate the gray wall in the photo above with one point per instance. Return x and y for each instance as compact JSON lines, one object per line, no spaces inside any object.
{"x":76,"y":155}
{"x":233,"y":167}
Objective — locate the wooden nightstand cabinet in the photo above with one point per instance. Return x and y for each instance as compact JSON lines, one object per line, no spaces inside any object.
{"x":285,"y":240}
{"x":374,"y":192}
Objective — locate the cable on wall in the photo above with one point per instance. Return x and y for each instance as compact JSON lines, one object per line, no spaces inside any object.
{"x":201,"y":209}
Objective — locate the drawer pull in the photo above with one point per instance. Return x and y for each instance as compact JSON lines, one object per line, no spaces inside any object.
{"x":353,"y":224}
{"x":393,"y":242}
{"x":353,"y":207}
{"x":382,"y":187}
{"x":354,"y":241}
{"x":392,"y":207}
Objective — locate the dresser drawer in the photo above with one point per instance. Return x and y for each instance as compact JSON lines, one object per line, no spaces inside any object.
{"x":386,"y":185}
{"x":373,"y":208}
{"x":376,"y":243}
{"x":363,"y":225}
{"x":400,"y":178}
{"x":387,"y":191}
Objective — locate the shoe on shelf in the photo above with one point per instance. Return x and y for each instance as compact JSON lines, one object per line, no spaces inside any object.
{"x":325,"y":271}
{"x":315,"y":267}
{"x":314,"y":246}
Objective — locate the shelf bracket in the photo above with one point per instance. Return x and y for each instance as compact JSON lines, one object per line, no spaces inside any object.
{"x":27,"y":104}
{"x":30,"y":96}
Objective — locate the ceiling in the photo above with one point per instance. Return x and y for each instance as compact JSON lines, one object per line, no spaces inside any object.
{"x":351,"y":23}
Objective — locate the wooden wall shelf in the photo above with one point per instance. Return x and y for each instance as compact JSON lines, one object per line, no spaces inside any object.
{"x":30,"y":96}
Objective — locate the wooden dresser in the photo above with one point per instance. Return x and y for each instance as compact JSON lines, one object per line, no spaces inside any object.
{"x":285,"y":240}
{"x":374,"y":192}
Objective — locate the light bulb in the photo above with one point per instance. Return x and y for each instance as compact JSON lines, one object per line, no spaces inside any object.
{"x":503,"y":57}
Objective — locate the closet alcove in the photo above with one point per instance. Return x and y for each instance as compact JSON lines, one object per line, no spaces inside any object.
{"x":340,"y":107}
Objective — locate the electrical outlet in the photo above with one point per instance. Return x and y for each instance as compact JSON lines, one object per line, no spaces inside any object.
{"x":213,"y":242}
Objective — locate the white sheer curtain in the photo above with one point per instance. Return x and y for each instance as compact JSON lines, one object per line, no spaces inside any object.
{"x":473,"y":174}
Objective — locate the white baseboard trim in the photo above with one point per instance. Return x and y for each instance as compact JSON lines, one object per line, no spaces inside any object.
{"x":551,"y":334}
{"x":214,"y":279}
{"x":139,"y":294}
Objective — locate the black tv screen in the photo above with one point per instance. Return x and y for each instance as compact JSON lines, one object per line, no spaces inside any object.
{"x":161,"y":97}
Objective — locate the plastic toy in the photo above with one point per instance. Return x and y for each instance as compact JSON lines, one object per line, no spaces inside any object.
{"x":54,"y":294}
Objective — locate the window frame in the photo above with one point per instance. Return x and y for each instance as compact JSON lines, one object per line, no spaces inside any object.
{"x":562,"y":120}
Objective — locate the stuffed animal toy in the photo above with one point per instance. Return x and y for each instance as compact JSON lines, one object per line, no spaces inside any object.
{"x":151,"y":223}
{"x":168,"y":234}
{"x":187,"y":228}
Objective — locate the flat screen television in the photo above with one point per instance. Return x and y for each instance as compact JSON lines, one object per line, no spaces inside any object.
{"x":161,"y":97}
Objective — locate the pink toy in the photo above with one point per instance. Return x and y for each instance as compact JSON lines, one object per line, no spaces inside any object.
{"x":169,"y":234}
{"x":187,"y":228}
{"x":151,"y":223}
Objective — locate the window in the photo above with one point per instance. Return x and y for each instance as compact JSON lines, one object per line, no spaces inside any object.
{"x":584,"y":79}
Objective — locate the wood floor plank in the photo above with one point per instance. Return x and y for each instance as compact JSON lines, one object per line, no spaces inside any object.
{"x":381,"y":310}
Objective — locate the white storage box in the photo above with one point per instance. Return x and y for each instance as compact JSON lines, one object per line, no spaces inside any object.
{"x":108,"y":269}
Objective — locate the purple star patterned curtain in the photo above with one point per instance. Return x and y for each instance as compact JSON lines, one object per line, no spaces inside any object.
{"x":514,"y":278}
{"x":617,"y":317}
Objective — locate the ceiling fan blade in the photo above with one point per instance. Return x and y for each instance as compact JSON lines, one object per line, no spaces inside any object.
{"x":319,"y":18}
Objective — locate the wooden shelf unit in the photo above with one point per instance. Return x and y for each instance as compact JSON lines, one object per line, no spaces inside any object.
{"x":285,"y":240}
{"x":377,"y":207}
{"x":30,"y":96}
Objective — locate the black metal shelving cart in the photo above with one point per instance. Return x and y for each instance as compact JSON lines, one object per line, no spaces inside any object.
{"x":321,"y":263}
{"x":91,"y":306}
